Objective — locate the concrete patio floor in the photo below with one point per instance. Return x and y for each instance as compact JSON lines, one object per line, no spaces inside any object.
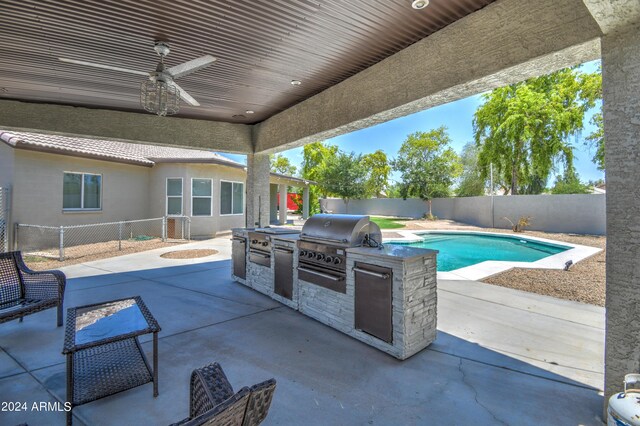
{"x":501,"y":356}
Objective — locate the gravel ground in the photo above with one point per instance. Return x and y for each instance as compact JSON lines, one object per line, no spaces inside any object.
{"x":189,"y":254}
{"x":89,"y":252}
{"x":584,"y":282}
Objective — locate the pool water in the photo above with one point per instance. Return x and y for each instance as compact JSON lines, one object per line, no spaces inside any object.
{"x":458,"y":250}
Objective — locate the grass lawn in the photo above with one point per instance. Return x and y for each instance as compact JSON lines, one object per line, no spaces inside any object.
{"x":388,"y":223}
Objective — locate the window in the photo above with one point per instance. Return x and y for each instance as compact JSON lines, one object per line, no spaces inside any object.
{"x":174,"y":197}
{"x":201,"y":197}
{"x":81,"y":191}
{"x":231,"y":197}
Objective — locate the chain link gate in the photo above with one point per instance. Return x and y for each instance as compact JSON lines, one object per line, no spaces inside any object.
{"x":75,"y":241}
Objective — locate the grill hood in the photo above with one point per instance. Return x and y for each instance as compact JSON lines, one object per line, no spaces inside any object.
{"x":342,"y":230}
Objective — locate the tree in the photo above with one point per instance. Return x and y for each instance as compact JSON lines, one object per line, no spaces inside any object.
{"x":597,"y":139}
{"x":393,"y":190}
{"x":281,"y":164}
{"x":345,"y":175}
{"x":471,"y":182}
{"x":522,"y":129}
{"x":378,"y":170}
{"x":569,"y":183}
{"x":314,"y":156}
{"x":427,"y":165}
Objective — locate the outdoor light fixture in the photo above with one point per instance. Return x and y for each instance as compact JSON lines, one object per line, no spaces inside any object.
{"x":419,"y":4}
{"x":159,"y":94}
{"x":249,"y":111}
{"x":160,"y":97}
{"x":296,"y":82}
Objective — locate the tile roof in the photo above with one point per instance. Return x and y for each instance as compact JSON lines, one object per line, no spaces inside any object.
{"x":109,"y":150}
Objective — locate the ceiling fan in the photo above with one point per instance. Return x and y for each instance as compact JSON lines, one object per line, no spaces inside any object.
{"x":160,"y":94}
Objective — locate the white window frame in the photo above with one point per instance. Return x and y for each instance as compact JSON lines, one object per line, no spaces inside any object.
{"x":82,"y":208}
{"x":202,"y":196}
{"x":244,"y":198}
{"x":166,"y":197}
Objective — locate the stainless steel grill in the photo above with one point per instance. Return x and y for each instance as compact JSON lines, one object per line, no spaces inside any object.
{"x":321,"y":249}
{"x":340,"y":230}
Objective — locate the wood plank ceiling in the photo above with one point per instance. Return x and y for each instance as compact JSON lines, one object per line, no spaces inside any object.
{"x":261,"y":45}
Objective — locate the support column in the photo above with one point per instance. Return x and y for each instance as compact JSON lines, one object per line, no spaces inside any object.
{"x":257,"y":190}
{"x":305,"y":202}
{"x":621,"y":94}
{"x":283,"y":204}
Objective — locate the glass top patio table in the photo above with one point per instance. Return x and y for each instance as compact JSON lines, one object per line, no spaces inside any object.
{"x":107,"y":321}
{"x":103,"y":353}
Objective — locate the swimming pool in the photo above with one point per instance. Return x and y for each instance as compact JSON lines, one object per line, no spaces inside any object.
{"x":457,"y":250}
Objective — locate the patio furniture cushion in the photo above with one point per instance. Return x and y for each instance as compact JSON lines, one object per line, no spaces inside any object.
{"x":213,"y":402}
{"x":24,"y":292}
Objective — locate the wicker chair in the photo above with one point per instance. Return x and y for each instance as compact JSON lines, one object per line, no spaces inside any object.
{"x":213,"y":402}
{"x":24,"y":292}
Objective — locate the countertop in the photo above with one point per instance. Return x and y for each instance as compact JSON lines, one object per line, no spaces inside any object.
{"x":398,"y":251}
{"x":282,"y":233}
{"x":286,"y":237}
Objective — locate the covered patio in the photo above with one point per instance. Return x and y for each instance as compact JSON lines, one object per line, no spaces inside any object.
{"x":500,"y":354}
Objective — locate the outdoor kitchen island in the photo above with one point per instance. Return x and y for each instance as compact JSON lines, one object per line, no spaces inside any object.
{"x":383,"y":296}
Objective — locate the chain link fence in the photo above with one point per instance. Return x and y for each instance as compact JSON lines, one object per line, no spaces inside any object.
{"x":68,"y":242}
{"x":4,"y":219}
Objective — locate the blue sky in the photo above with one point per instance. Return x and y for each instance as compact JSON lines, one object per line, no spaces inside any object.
{"x":457,"y":117}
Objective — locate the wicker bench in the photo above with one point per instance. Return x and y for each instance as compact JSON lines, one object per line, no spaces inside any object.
{"x":24,"y":292}
{"x":213,"y":402}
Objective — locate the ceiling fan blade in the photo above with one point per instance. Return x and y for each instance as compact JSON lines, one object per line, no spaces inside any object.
{"x":185,"y":96}
{"x":191,"y":66}
{"x":106,"y":67}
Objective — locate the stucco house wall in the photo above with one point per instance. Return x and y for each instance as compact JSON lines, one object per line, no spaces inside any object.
{"x":38,"y":181}
{"x":133,"y":183}
{"x":6,"y":165}
{"x":201,"y":226}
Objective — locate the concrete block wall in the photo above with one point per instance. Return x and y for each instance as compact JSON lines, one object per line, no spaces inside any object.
{"x":420,"y":304}
{"x":259,"y":278}
{"x":571,"y":213}
{"x":327,"y":306}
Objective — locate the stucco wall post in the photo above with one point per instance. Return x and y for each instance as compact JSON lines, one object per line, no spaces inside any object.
{"x":305,"y":202}
{"x":621,"y":94}
{"x":257,"y":190}
{"x":283,"y":204}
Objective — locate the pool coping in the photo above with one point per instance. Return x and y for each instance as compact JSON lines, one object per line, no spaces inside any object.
{"x":576,"y":253}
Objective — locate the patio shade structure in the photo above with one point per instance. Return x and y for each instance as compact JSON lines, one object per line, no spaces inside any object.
{"x":359,"y":63}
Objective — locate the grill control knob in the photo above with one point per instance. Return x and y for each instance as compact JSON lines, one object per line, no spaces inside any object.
{"x":337,"y":261}
{"x":328,"y":259}
{"x":265,"y":243}
{"x":303,"y":253}
{"x":310,"y":255}
{"x":319,"y":256}
{"x":254,"y":241}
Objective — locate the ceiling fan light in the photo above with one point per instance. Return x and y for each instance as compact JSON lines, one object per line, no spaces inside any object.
{"x":159,"y":97}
